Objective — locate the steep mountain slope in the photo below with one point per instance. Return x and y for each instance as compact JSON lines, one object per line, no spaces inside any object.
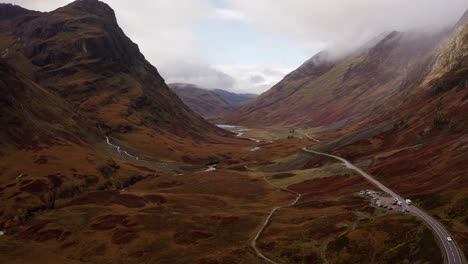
{"x":73,"y":88}
{"x":80,"y":52}
{"x":398,"y":109}
{"x":236,"y":99}
{"x":419,"y":148}
{"x":204,"y":102}
{"x":47,"y":152}
{"x":323,"y":92}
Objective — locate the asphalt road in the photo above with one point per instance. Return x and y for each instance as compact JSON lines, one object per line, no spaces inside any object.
{"x":451,"y":250}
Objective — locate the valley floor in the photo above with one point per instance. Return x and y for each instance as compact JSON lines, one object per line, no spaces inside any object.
{"x":263,"y":198}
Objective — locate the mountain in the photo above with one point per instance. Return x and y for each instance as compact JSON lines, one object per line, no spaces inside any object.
{"x":236,"y":99}
{"x":323,"y":91}
{"x":204,"y":102}
{"x":398,"y":108}
{"x":83,"y":110}
{"x":210,"y":103}
{"x":80,"y":53}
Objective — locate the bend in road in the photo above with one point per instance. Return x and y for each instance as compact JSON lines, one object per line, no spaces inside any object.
{"x":268,"y":219}
{"x":451,"y":250}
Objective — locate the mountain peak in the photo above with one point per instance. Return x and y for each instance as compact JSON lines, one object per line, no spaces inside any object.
{"x":94,"y":7}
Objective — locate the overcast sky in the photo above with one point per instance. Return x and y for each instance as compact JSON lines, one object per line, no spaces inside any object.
{"x":249,"y":45}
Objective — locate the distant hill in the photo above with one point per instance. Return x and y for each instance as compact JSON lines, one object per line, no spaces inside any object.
{"x":210,"y":103}
{"x":235,"y":98}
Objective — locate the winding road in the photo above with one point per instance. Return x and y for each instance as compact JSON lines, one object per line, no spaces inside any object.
{"x":268,"y":219}
{"x":450,"y":248}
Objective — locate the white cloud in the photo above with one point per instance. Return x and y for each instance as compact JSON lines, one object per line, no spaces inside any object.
{"x":230,"y":14}
{"x":254,"y":78}
{"x":202,"y":75}
{"x":47,"y":5}
{"x":344,"y":24}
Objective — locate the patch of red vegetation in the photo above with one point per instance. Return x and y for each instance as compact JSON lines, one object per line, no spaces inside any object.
{"x":14,"y":195}
{"x":155,"y":198}
{"x":265,"y":163}
{"x":22,"y":183}
{"x":35,"y":187}
{"x":169,"y":184}
{"x":316,"y":162}
{"x":325,"y":228}
{"x":141,"y":168}
{"x":42,"y":160}
{"x":8,"y":186}
{"x":223,"y":220}
{"x":312,"y":258}
{"x":129,"y":200}
{"x":56,"y":180}
{"x":188,"y":160}
{"x":320,"y":204}
{"x":124,"y":236}
{"x":137,"y":254}
{"x":65,"y":235}
{"x":331,"y":185}
{"x":69,"y":244}
{"x":267,"y":246}
{"x":100,"y":197}
{"x":107,"y":222}
{"x":190,"y":237}
{"x":230,"y":161}
{"x":283,"y":175}
{"x":30,"y":232}
{"x":48,"y":235}
{"x":238,"y":168}
{"x":108,"y":198}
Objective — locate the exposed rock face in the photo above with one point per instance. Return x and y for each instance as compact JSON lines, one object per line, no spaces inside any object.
{"x":50,"y":39}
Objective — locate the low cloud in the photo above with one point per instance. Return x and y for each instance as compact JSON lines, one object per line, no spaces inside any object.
{"x":199,"y":74}
{"x":342,"y":25}
{"x":254,"y":78}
